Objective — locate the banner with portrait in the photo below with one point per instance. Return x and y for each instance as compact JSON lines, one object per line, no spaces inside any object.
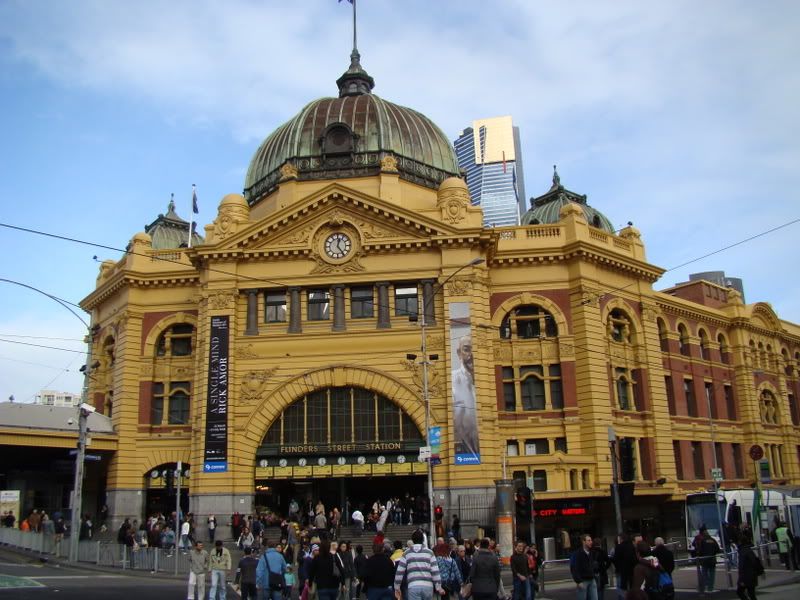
{"x":462,"y":382}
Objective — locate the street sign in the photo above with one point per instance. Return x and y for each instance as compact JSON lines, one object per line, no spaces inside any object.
{"x":764,"y":471}
{"x":716,"y":474}
{"x":756,"y":452}
{"x":424,"y":452}
{"x":89,"y":457}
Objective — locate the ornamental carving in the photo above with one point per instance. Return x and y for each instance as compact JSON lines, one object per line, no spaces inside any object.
{"x":299,"y":236}
{"x":503,"y":353}
{"x":223,"y":227}
{"x":254,"y":384}
{"x":453,"y":203}
{"x":246,"y":352}
{"x":353,"y":265}
{"x":389,"y":164}
{"x":459,"y":286}
{"x":434,"y":378}
{"x":372,"y":232}
{"x":435,"y":341}
{"x":567,"y":350}
{"x":146,"y":371}
{"x":288,"y":171}
{"x":221,"y":300}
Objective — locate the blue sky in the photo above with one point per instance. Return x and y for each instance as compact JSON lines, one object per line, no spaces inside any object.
{"x":679,"y":116}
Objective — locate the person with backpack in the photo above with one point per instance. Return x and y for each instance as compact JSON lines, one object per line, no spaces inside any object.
{"x":582,"y":568}
{"x":707,"y":549}
{"x":750,"y":569}
{"x":449,"y":571}
{"x":521,"y":573}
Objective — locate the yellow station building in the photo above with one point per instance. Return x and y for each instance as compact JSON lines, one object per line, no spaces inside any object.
{"x":279,"y":355}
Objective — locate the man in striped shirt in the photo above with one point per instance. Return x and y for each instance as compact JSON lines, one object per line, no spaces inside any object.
{"x":420,"y":571}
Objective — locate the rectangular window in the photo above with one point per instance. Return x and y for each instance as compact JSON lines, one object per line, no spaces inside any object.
{"x":793,"y":410}
{"x":532,"y":388}
{"x":561,"y":444}
{"x":676,"y":453}
{"x":737,"y":461}
{"x":540,"y":480}
{"x":294,"y":423}
{"x":157,"y":405}
{"x":275,"y":307}
{"x":697,"y":460}
{"x":509,"y":393}
{"x":364,"y":409}
{"x":710,"y":402}
{"x":670,"y":395}
{"x":627,"y":459}
{"x":388,"y":420}
{"x":361,"y":303}
{"x":317,"y":417}
{"x":691,"y":401}
{"x":537,"y":446}
{"x":340,"y":416}
{"x":623,"y":388}
{"x":405,"y":301}
{"x":729,"y":402}
{"x":179,"y":403}
{"x":512,"y":448}
{"x":556,"y":390}
{"x":718,"y":457}
{"x":319,"y":305}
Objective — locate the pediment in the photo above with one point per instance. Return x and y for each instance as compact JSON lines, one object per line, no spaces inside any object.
{"x":375,"y":222}
{"x":765,"y":317}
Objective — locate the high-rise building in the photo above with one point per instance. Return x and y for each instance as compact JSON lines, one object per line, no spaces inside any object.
{"x":55,"y":398}
{"x":490,"y":155}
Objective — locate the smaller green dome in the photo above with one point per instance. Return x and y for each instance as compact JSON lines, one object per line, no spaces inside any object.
{"x":546,"y":209}
{"x":170,"y":231}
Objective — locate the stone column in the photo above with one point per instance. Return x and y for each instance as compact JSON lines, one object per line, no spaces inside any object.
{"x":504,"y":489}
{"x":384,"y":321}
{"x":294,"y":310}
{"x":428,"y":303}
{"x":252,"y":313}
{"x":338,"y":308}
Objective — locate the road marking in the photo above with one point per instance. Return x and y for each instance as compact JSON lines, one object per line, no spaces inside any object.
{"x":9,"y":581}
{"x":38,"y":577}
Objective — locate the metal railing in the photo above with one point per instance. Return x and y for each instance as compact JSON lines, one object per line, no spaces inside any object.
{"x":762,"y":550}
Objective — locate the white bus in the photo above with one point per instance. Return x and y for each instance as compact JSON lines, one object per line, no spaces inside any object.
{"x":736,"y":508}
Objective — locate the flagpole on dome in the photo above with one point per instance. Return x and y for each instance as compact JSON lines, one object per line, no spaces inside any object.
{"x":195,"y":210}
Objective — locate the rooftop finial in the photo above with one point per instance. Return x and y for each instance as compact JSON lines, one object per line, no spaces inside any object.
{"x":171,"y":205}
{"x":556,"y":178}
{"x":355,"y":80}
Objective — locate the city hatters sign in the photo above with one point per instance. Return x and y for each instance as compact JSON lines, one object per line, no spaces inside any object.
{"x":215,"y":459}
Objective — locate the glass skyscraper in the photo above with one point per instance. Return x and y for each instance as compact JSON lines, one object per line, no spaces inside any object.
{"x":489,"y":153}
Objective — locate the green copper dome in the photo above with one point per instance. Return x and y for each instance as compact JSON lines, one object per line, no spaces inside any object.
{"x":350,"y":136}
{"x":546,"y":209}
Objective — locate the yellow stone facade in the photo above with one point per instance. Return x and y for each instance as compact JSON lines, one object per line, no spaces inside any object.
{"x":596,"y":286}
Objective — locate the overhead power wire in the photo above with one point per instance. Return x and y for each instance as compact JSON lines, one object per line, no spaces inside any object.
{"x":42,"y":346}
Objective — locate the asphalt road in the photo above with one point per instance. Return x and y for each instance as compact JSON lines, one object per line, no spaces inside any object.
{"x":23,"y":578}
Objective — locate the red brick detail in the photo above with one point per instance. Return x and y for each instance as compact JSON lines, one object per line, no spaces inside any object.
{"x":558,"y":297}
{"x":149,"y":320}
{"x":568,"y":386}
{"x":648,"y":456}
{"x":145,"y":400}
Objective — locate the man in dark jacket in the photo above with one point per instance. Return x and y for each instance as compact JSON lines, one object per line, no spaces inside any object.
{"x":520,"y":573}
{"x":582,"y":568}
{"x":624,"y":560}
{"x":750,"y":568}
{"x":664,"y":555}
{"x":484,"y":573}
{"x":707,"y":550}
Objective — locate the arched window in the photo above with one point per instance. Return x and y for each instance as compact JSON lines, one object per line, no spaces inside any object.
{"x":624,"y":388}
{"x":787,"y":363}
{"x":176,"y":340}
{"x":705,"y":351}
{"x":683,"y":339}
{"x":662,"y":334}
{"x":528,"y":321}
{"x":724,"y":349}
{"x":620,"y":328}
{"x":769,"y":408}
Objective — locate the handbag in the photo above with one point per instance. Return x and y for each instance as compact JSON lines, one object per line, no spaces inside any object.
{"x":466,"y":590}
{"x":305,"y":593}
{"x":276,"y":581}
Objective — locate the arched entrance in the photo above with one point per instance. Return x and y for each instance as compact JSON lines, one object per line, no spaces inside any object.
{"x":346,"y":446}
{"x":161,"y":484}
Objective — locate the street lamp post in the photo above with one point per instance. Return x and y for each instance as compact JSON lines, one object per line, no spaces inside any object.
{"x":426,"y":394}
{"x":722,"y":536}
{"x":84,"y":410}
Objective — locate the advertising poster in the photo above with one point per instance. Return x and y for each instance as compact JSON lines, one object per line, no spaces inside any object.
{"x":462,"y":382}
{"x":215,"y":459}
{"x":435,"y":442}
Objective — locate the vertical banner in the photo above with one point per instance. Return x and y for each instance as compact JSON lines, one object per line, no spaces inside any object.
{"x":215,"y":459}
{"x":435,"y":442}
{"x":462,"y":382}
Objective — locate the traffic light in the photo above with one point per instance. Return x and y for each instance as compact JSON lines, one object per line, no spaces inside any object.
{"x":523,"y":503}
{"x":438,"y":512}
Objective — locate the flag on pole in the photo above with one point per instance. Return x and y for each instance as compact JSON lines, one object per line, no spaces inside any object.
{"x":195,"y":209}
{"x":504,"y":161}
{"x":350,"y":1}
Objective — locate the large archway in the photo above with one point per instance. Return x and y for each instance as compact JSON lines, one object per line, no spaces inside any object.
{"x":345,"y":445}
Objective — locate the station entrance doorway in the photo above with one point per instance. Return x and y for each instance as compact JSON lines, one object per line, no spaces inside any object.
{"x":344,"y":493}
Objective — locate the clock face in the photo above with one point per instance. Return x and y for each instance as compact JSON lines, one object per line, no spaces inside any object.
{"x":263,"y":462}
{"x":322,"y":462}
{"x":338,"y":245}
{"x":341,"y":460}
{"x":401,"y":459}
{"x":381,"y":460}
{"x":283,"y":462}
{"x":301,"y":462}
{"x":361,"y":460}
